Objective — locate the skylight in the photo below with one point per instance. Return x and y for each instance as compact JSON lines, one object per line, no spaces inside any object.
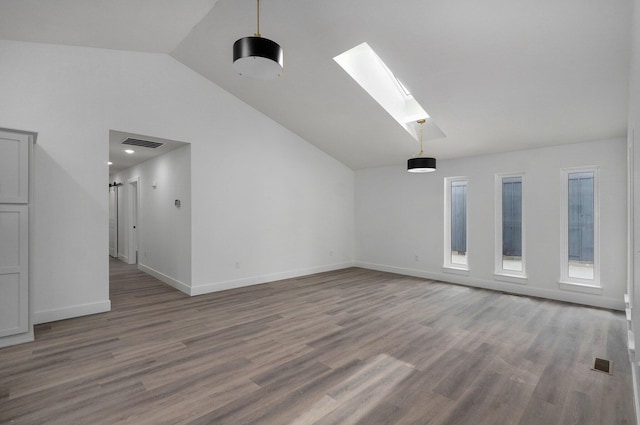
{"x":366,"y":67}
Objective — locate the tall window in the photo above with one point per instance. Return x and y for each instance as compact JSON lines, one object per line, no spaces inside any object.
{"x":456,"y":223}
{"x":509,"y":225}
{"x":580,"y":226}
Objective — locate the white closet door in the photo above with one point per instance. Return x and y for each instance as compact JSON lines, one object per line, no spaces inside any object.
{"x":14,"y":302}
{"x":14,"y":168}
{"x":113,"y":221}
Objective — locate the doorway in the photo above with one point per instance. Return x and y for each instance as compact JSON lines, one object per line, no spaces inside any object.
{"x":153,"y":205}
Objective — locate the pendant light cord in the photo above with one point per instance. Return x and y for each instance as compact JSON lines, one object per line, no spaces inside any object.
{"x":258,"y":15}
{"x":421,"y":125}
{"x":419,"y":154}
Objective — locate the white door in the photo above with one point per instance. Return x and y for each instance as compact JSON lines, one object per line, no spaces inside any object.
{"x":133,"y":221}
{"x":15,"y":326}
{"x":113,"y":221}
{"x":14,"y":281}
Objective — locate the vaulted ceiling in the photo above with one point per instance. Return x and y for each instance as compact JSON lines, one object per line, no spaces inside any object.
{"x":496,"y":75}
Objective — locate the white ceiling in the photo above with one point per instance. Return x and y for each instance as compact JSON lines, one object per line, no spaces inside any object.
{"x":138,"y":25}
{"x":496,"y":75}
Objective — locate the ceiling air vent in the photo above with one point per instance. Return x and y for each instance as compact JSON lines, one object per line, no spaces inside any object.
{"x":143,"y":143}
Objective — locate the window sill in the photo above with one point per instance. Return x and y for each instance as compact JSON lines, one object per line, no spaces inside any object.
{"x":580,"y":287}
{"x":511,"y":278}
{"x":455,"y":270}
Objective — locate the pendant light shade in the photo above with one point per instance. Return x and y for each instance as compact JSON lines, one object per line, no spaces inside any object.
{"x":420,"y":163}
{"x":256,"y":57}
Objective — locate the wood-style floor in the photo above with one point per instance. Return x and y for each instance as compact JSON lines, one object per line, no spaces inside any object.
{"x":344,"y":347}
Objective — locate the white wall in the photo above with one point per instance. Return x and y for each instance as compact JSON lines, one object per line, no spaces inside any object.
{"x":633,"y":144}
{"x":277,"y":210}
{"x":164,"y":231}
{"x":634,"y":163}
{"x":400,"y":215}
{"x":261,"y":196}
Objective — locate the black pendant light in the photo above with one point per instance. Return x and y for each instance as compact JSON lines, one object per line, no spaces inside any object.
{"x":420,"y":163}
{"x":257,"y":57}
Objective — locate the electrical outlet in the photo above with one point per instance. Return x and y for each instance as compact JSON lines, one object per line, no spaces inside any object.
{"x":416,"y":258}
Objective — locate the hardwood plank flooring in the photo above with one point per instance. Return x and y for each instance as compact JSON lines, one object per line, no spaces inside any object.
{"x":346,"y":347}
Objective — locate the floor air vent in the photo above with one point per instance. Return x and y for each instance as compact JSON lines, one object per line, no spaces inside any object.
{"x":143,"y":143}
{"x":602,"y":365}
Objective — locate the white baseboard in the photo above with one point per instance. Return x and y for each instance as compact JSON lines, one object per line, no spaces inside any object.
{"x":256,"y":280}
{"x":16,"y":339}
{"x":513,"y":288}
{"x":180,"y":286}
{"x":632,"y":357}
{"x":70,"y":312}
{"x":636,"y":399}
{"x":123,"y":258}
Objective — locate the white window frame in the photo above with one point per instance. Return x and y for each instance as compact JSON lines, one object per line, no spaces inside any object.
{"x":500,"y":273}
{"x":566,"y":282}
{"x":448,"y":266}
